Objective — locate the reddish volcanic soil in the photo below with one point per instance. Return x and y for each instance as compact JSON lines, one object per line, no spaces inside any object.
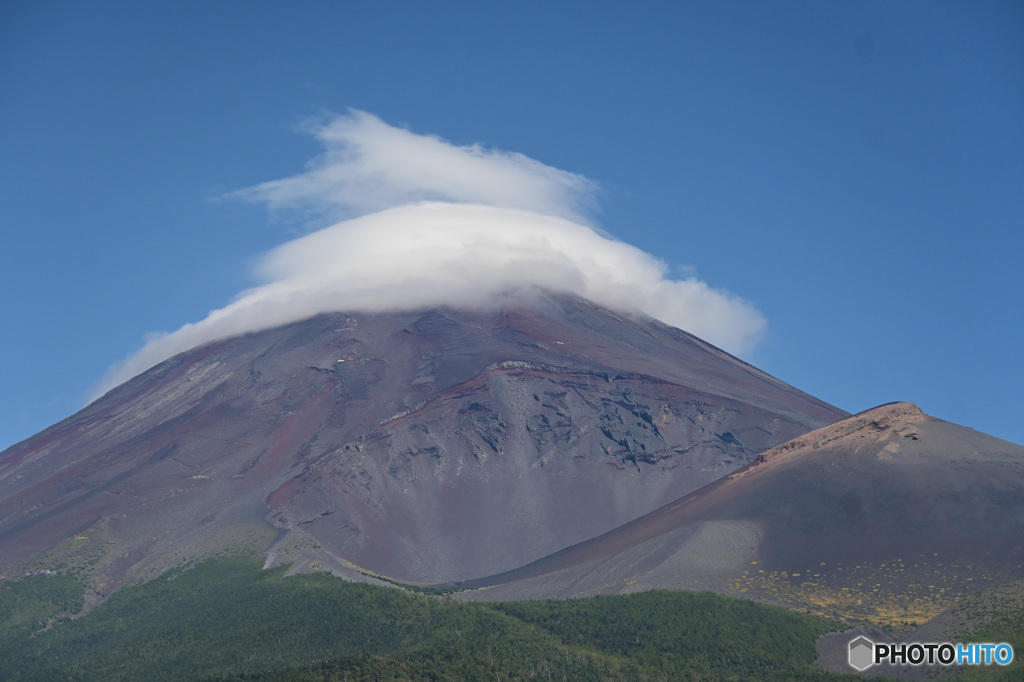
{"x":432,"y":446}
{"x":889,"y":516}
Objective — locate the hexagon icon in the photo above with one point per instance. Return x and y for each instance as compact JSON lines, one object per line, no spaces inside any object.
{"x":862,"y":653}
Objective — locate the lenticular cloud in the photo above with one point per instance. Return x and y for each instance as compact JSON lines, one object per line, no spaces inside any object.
{"x":369,"y":166}
{"x":444,"y":225}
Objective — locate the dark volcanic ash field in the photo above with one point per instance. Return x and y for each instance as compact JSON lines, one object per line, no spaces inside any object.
{"x":888,"y":517}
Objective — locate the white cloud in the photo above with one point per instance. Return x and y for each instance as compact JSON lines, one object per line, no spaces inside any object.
{"x":369,"y":166}
{"x":458,"y":226}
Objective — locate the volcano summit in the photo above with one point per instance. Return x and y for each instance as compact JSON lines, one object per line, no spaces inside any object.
{"x":432,"y":446}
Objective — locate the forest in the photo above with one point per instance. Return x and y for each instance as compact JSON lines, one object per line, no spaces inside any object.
{"x":227,"y":619}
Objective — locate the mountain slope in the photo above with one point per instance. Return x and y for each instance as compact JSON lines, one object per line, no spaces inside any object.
{"x":430,"y":446}
{"x":889,"y":516}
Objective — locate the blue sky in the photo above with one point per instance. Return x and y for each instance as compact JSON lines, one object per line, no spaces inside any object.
{"x":854,"y":170}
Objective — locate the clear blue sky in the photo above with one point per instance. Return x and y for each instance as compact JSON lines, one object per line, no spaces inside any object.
{"x":853,"y":169}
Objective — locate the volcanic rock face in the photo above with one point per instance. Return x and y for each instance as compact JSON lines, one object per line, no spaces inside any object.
{"x":889,"y":516}
{"x":432,"y":446}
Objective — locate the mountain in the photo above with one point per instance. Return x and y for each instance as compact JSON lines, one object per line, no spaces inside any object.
{"x":889,"y":517}
{"x":432,"y":446}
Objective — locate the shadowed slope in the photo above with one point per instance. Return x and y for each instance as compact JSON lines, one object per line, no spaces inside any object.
{"x":432,"y":446}
{"x":887,"y":516}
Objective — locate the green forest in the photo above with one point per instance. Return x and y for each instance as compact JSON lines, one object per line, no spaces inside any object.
{"x":226,"y":619}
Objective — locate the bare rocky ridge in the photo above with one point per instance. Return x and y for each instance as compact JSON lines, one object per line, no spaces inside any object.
{"x":433,"y":446}
{"x":887,"y":518}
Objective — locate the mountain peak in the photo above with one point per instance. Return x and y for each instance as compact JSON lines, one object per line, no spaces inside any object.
{"x":432,"y":445}
{"x":887,"y":515}
{"x":877,"y":423}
